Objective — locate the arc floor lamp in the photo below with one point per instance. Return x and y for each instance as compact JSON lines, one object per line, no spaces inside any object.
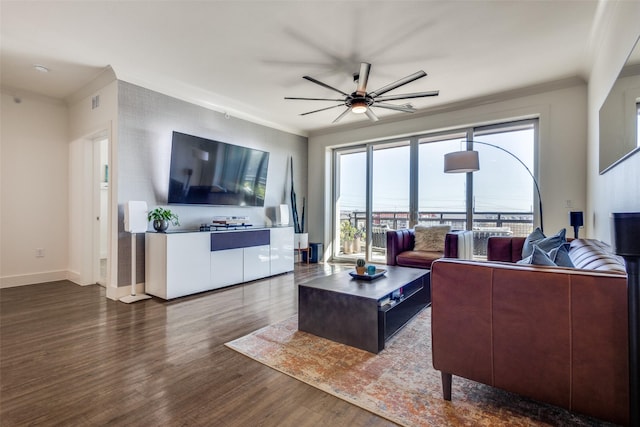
{"x":468,"y":161}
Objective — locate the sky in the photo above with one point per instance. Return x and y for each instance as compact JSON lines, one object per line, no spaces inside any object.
{"x":501,"y":185}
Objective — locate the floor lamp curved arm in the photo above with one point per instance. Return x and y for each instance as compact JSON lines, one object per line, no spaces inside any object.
{"x":467,"y":161}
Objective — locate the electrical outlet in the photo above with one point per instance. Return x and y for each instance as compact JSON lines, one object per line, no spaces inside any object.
{"x":39,"y":253}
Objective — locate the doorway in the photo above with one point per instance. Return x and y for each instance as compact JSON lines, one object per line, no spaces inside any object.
{"x":101,"y":209}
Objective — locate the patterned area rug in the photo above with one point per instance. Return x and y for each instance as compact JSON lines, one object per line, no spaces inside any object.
{"x":399,"y":383}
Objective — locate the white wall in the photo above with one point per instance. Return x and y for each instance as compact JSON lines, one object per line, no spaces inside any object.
{"x":34,"y":190}
{"x":561,"y":151}
{"x":47,"y":173}
{"x":146,"y":121}
{"x":86,"y":124}
{"x":617,"y":190}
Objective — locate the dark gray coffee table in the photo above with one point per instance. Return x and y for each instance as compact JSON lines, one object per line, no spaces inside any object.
{"x":350,"y":311}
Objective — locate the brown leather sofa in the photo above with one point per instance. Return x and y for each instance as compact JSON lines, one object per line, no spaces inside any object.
{"x":400,"y":248}
{"x":554,"y":334}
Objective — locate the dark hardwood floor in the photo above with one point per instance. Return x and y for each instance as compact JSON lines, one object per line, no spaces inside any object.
{"x":69,"y":356}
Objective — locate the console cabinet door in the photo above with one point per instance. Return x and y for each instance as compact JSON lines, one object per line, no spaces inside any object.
{"x":188,"y":264}
{"x":227,"y":267}
{"x":256,"y":262}
{"x":282,"y":256}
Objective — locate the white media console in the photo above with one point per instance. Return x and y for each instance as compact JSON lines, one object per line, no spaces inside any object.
{"x":185,"y":263}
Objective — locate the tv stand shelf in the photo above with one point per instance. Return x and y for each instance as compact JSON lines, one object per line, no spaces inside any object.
{"x":179,"y":264}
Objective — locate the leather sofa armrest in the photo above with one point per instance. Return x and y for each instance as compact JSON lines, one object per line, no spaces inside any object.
{"x":451,"y":245}
{"x":399,"y":241}
{"x":459,"y":244}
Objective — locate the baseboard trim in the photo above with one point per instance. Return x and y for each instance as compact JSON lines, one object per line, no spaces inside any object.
{"x":31,"y":279}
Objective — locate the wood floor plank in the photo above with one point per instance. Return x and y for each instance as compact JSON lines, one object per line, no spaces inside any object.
{"x":69,"y":356}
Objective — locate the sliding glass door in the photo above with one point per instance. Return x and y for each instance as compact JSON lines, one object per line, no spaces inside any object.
{"x":390,"y":194}
{"x":504,"y":196}
{"x":390,"y":185}
{"x":350,"y":200}
{"x":441,"y":196}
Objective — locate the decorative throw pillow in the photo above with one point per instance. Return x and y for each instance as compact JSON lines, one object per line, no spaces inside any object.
{"x":543,"y":242}
{"x":537,"y":257}
{"x":560,"y":256}
{"x":430,"y":239}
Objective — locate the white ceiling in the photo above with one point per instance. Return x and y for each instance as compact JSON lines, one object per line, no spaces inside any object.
{"x":244,"y":57}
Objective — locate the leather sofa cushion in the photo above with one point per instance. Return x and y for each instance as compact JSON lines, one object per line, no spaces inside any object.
{"x":419,"y":259}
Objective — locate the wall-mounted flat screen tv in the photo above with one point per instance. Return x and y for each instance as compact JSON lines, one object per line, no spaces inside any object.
{"x":207,"y":172}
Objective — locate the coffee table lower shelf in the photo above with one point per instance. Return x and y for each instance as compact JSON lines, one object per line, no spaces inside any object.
{"x":348,"y":311}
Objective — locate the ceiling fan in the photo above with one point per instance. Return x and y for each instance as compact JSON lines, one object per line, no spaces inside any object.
{"x":361,"y":101}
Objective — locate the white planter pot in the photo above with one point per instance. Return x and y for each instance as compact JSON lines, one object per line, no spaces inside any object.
{"x":357,"y":244}
{"x":301,"y":240}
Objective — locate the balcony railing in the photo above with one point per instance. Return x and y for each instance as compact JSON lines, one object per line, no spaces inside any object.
{"x":485,"y":225}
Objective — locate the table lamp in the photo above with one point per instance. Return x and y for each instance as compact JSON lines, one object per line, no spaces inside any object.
{"x":576,"y":220}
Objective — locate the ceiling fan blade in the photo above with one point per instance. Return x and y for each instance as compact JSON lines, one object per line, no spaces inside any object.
{"x":395,"y":107}
{"x":314,"y":99}
{"x":403,"y":81}
{"x":371,"y":115}
{"x":322,"y":109}
{"x":407,"y":96}
{"x":344,"y":113}
{"x":318,"y":82}
{"x":363,"y":77}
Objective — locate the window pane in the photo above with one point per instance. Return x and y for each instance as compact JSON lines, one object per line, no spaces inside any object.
{"x":350,"y":199}
{"x":503,"y":189}
{"x":441,"y":196}
{"x":391,"y":186}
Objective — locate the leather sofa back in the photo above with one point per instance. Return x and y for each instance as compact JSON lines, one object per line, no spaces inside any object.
{"x":505,"y":249}
{"x":403,"y":241}
{"x":557,"y":335}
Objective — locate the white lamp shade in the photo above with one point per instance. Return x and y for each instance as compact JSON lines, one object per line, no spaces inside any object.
{"x":461,"y":162}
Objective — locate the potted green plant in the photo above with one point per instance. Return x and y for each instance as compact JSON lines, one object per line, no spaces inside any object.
{"x":346,"y":236}
{"x":358,"y":237}
{"x":161,"y":218}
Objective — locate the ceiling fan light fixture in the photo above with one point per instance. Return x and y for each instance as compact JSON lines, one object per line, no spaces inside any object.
{"x":359,"y":107}
{"x":359,"y":101}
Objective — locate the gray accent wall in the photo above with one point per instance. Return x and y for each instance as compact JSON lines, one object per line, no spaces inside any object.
{"x":146,"y":120}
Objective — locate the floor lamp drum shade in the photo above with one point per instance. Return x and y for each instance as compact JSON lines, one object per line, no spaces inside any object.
{"x":135,"y":217}
{"x":461,"y":162}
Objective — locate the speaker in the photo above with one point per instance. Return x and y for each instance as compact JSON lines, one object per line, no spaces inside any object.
{"x":135,"y":217}
{"x":282,"y":215}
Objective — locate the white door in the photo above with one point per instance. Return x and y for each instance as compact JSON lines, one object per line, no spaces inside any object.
{"x":100,"y":187}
